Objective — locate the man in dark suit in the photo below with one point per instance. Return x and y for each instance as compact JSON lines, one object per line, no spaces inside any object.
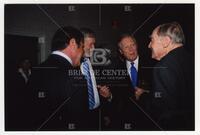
{"x":131,"y":98}
{"x":59,"y":97}
{"x":173,"y":79}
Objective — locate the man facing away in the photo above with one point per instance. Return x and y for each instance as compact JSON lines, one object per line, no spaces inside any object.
{"x":58,"y":101}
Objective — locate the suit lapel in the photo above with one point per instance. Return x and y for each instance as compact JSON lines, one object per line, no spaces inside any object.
{"x":128,"y":79}
{"x":138,"y":74}
{"x":139,"y":71}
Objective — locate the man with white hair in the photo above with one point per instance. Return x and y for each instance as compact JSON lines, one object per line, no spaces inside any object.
{"x":173,"y":79}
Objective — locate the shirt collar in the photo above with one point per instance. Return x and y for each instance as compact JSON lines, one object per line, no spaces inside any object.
{"x":136,"y":62}
{"x":63,"y":55}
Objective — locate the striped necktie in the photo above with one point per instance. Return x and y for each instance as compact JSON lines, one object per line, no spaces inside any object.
{"x":86,"y":70}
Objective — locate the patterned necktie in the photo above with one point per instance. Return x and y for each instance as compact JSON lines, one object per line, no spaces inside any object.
{"x":87,"y":75}
{"x":133,"y":75}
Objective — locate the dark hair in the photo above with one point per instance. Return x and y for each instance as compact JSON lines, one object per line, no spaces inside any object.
{"x":63,"y":35}
{"x":88,"y":32}
{"x":172,"y":30}
{"x":122,"y":36}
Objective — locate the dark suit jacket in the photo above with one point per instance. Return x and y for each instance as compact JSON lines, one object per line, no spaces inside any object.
{"x":97,"y":115}
{"x":59,"y":98}
{"x":16,"y":103}
{"x":173,"y":86}
{"x":125,"y":107}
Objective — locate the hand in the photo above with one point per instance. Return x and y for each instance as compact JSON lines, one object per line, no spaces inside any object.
{"x":104,"y":91}
{"x":139,"y":92}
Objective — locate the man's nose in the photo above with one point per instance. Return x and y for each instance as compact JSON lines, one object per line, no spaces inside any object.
{"x":132,"y":48}
{"x":149,"y":46}
{"x":92,"y":46}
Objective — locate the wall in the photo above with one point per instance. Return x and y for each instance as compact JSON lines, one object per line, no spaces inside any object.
{"x":107,"y":20}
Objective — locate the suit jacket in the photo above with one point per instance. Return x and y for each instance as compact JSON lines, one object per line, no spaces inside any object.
{"x":144,"y":79}
{"x":94,"y":115}
{"x":126,"y":107}
{"x":58,"y":96}
{"x":173,"y":87}
{"x":16,"y":103}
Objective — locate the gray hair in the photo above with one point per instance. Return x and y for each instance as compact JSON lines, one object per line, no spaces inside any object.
{"x":125,"y":35}
{"x":172,"y":30}
{"x":87,"y":32}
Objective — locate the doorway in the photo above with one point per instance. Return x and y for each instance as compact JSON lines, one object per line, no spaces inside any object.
{"x":17,"y":48}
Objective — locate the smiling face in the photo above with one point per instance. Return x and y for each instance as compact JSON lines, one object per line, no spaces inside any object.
{"x":128,"y":48}
{"x":157,"y":45}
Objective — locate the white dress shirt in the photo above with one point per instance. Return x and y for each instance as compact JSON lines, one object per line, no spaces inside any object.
{"x":94,"y":85}
{"x":63,"y":55}
{"x":128,"y":65}
{"x":20,"y":70}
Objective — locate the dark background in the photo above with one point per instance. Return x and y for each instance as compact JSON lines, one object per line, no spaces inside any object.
{"x":107,"y":20}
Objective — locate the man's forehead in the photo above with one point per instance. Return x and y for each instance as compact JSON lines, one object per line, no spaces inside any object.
{"x":127,"y":40}
{"x":91,"y":38}
{"x":153,"y":34}
{"x":155,"y":31}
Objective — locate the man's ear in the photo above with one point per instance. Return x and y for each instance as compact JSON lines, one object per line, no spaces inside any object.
{"x":166,"y":41}
{"x":120,"y":51}
{"x":72,"y":43}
